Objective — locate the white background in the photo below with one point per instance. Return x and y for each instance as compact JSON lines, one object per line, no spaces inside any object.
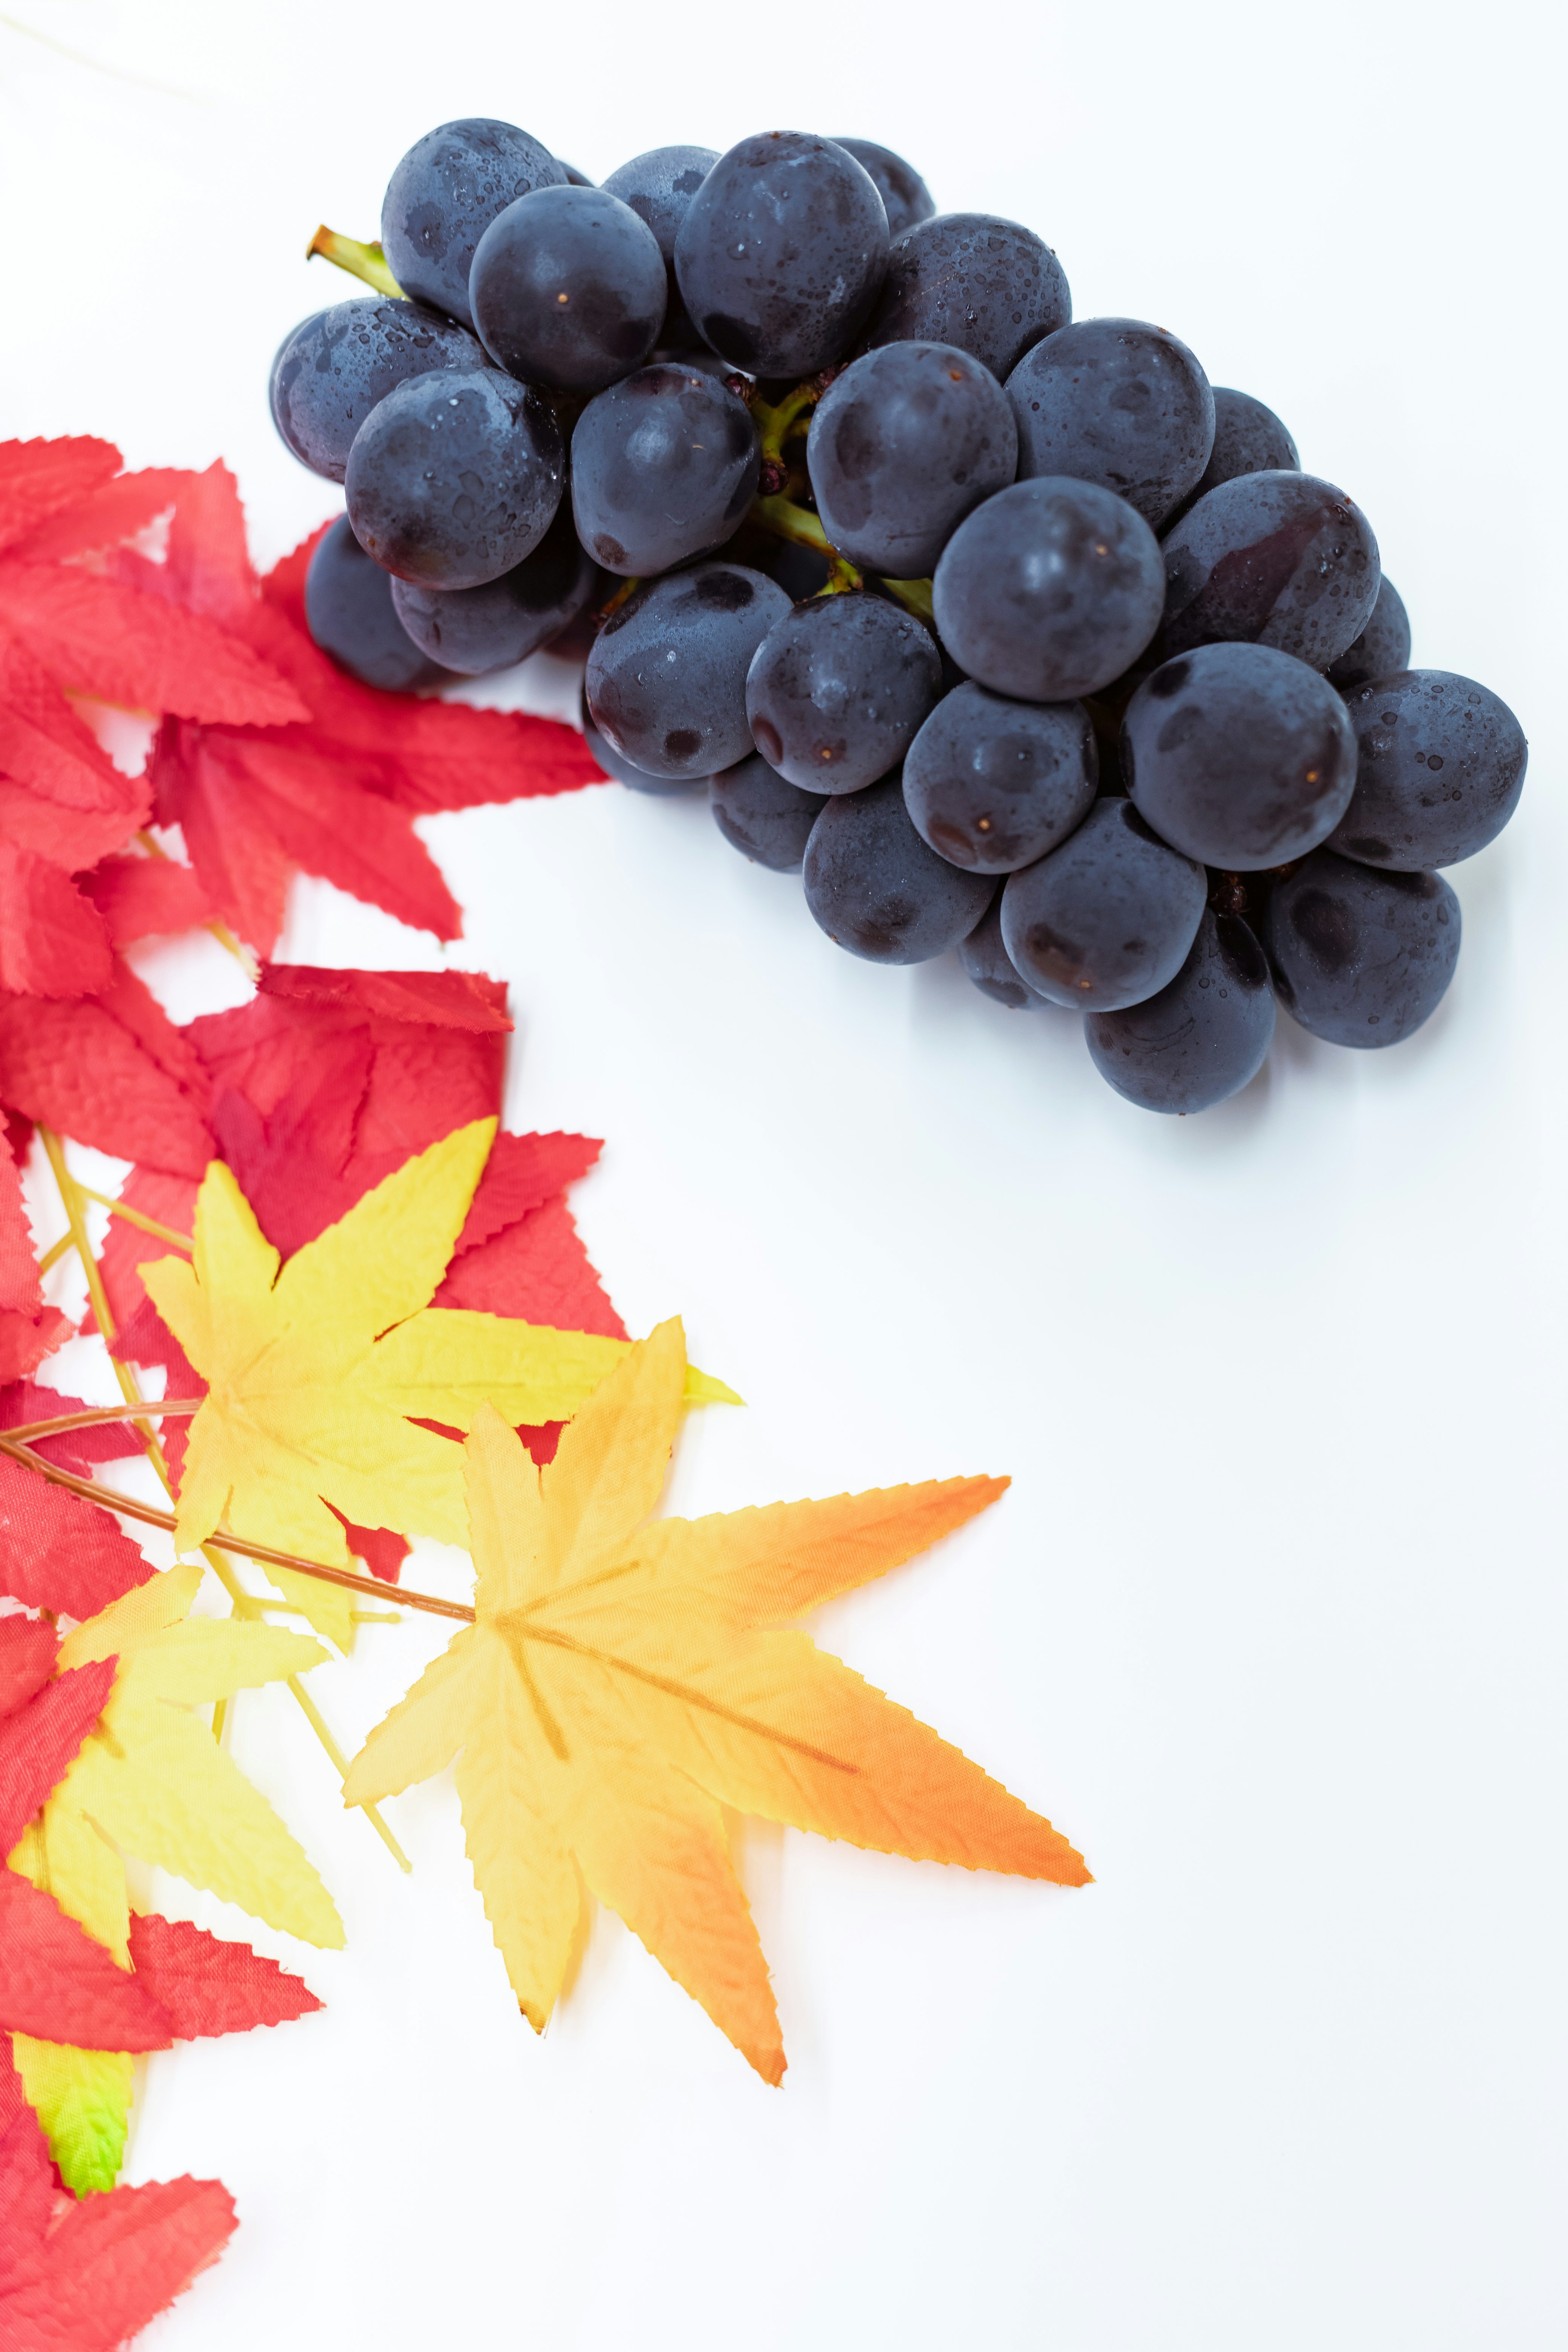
{"x":1271,"y":1623}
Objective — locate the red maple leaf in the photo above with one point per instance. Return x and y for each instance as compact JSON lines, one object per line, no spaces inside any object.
{"x":58,"y":1985}
{"x":140,"y":896}
{"x":38,"y":1739}
{"x":85,"y":2277}
{"x":29,"y":1329}
{"x":109,"y":1069}
{"x":59,"y":1553}
{"x":79,"y":1450}
{"x":27,"y":1646}
{"x":206,"y":1986}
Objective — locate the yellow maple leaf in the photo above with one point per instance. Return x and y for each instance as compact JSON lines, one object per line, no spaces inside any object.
{"x":150,"y":1780}
{"x":624,"y":1681}
{"x":315,"y":1368}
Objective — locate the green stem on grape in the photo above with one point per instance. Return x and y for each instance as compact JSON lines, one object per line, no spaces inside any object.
{"x":628,"y":589}
{"x":777,"y":425}
{"x":915,"y":597}
{"x":786,"y":521}
{"x":365,"y":261}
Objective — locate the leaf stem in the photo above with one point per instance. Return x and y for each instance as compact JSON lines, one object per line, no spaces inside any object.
{"x":365,"y":261}
{"x":134,"y":1217}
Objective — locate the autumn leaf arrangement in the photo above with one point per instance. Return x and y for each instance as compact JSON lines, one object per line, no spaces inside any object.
{"x":343,"y":1308}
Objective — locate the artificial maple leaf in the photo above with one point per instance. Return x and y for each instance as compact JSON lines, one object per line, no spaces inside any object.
{"x":59,"y":1553}
{"x":41,"y":1736}
{"x":143,"y":898}
{"x":624,"y":1681}
{"x":78,"y":1450}
{"x":206,"y":1985}
{"x":150,"y":1779}
{"x":60,"y":793}
{"x":59,"y":1985}
{"x":317,"y":1368}
{"x":27,"y":1646}
{"x":86,"y":2277}
{"x":29,"y":1329}
{"x":109,"y":1069}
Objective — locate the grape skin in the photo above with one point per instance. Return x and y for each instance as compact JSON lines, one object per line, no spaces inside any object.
{"x":764,"y":817}
{"x":781,"y":253}
{"x":568,"y":288}
{"x":625,"y":771}
{"x":1383,"y":646}
{"x":453,"y":479}
{"x":837,"y":689}
{"x":987,"y":285}
{"x":1249,"y":438}
{"x":666,"y":678}
{"x":1206,"y":1034}
{"x":1440,"y":768}
{"x":1239,"y":755}
{"x":876,"y":888}
{"x":472,"y":630}
{"x":660,"y":186}
{"x":1276,"y":559}
{"x":1116,"y":402}
{"x":905,"y":198}
{"x":994,"y":785}
{"x":984,"y":957}
{"x":1108,"y":919}
{"x":333,"y":369}
{"x":443,"y":196}
{"x":1048,"y":591}
{"x":664,"y":467}
{"x":350,"y":613}
{"x":908,"y":441}
{"x":1361,"y":958}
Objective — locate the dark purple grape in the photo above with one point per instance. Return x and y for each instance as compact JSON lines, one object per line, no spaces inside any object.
{"x":568,"y":288}
{"x":1239,"y":755}
{"x":660,"y":186}
{"x":1359,"y":957}
{"x":768,"y":820}
{"x":636,"y":779}
{"x":1278,"y":559}
{"x":1106,"y":919}
{"x":990,"y":286}
{"x":475,"y":629}
{"x":1203,"y":1037}
{"x":905,"y":198}
{"x":1383,"y":646}
{"x":332,"y":370}
{"x":907,"y":442}
{"x":781,"y":253}
{"x":453,"y":479}
{"x":664,"y":466}
{"x":1048,"y":591}
{"x":877,"y":889}
{"x":1440,"y":767}
{"x":443,"y":196}
{"x":350,"y":613}
{"x":984,"y":957}
{"x":994,"y":785}
{"x":1247,"y":439}
{"x":837,"y":689}
{"x":1119,"y":403}
{"x":666,"y":678}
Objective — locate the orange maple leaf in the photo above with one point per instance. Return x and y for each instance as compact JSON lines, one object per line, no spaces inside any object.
{"x":626,"y":1678}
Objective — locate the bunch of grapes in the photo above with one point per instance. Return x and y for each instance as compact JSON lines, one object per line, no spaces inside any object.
{"x":1013,"y":635}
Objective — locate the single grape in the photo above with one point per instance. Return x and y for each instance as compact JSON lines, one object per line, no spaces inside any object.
{"x":664,"y":467}
{"x":1383,"y":646}
{"x":907,"y":442}
{"x":905,"y":198}
{"x":1106,"y":919}
{"x":768,"y":820}
{"x":660,"y":186}
{"x":994,"y":785}
{"x":350,"y":613}
{"x":1360,"y":958}
{"x":1247,"y":439}
{"x":1203,"y":1037}
{"x":781,"y":253}
{"x":837,"y":689}
{"x":568,"y":288}
{"x":443,"y":196}
{"x":453,"y":479}
{"x":984,"y":957}
{"x":332,"y":371}
{"x":1239,"y":755}
{"x":989,"y":287}
{"x":1048,"y":591}
{"x":1118,"y":403}
{"x":666,"y":678}
{"x":475,"y":629}
{"x":636,"y":779}
{"x":1276,"y":559}
{"x":876,"y":888}
{"x":1440,"y":770}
